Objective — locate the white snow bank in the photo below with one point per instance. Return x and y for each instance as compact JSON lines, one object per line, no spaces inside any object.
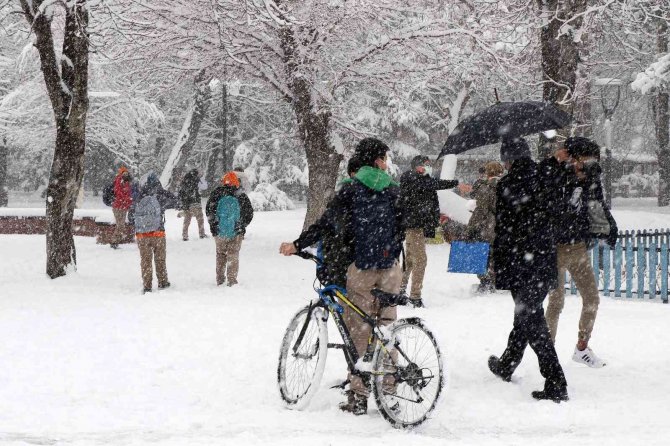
{"x":266,"y":197}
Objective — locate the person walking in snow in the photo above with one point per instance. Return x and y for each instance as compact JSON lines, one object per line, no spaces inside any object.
{"x":366,"y":215}
{"x":421,"y":211}
{"x":190,"y":201}
{"x":148,"y":216}
{"x":579,"y":188}
{"x":123,"y":200}
{"x":524,"y":256}
{"x":229,"y":212}
{"x":481,"y":226}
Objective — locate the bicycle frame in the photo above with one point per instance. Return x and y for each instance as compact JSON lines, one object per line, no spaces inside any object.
{"x":335,"y":310}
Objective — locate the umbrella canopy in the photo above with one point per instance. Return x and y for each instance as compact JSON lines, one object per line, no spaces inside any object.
{"x":504,"y":120}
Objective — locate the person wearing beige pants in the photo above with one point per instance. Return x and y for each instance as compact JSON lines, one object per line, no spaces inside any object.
{"x":195,"y":210}
{"x":415,"y":261}
{"x":574,"y":259}
{"x":227,"y":259}
{"x":152,"y":247}
{"x":359,"y":285}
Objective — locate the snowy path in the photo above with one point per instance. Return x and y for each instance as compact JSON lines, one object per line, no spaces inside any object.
{"x":89,"y":360}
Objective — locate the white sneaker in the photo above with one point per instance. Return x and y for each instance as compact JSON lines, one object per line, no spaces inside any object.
{"x":587,"y":357}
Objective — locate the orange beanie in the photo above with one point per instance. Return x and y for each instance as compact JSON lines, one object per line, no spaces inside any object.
{"x":230,"y":179}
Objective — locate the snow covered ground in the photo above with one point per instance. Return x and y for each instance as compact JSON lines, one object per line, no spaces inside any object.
{"x":89,"y":360}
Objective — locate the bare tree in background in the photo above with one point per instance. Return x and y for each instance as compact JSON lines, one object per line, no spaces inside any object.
{"x":66,"y":79}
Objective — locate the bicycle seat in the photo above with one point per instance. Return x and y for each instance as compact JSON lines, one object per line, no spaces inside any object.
{"x":389,"y":299}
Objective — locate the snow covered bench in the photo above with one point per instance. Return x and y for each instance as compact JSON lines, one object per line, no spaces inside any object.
{"x":87,"y":223}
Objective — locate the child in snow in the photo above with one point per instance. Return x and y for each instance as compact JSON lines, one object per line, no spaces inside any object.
{"x":229,"y":212}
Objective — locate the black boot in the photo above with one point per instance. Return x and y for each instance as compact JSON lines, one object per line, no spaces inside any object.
{"x":496,"y":368}
{"x":553,"y":392}
{"x":355,"y":404}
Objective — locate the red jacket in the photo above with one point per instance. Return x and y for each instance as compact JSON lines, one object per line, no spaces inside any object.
{"x":123,"y":197}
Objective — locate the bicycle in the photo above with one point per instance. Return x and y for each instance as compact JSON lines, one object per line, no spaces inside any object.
{"x":402,"y":361}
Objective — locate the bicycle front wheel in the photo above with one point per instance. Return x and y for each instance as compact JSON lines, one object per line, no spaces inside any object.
{"x":302,"y":357}
{"x":408,"y":374}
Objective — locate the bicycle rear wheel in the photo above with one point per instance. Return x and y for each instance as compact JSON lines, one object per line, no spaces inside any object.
{"x":302,"y":357}
{"x":408,"y":378}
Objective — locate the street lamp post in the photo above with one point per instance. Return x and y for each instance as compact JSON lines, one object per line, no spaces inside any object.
{"x":609,"y":108}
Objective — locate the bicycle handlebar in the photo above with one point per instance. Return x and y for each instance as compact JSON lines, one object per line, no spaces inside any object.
{"x":307,"y":256}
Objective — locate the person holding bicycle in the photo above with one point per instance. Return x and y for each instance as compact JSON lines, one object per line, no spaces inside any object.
{"x":366,"y":218}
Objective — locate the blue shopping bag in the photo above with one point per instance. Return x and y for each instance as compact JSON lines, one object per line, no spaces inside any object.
{"x":468,"y":257}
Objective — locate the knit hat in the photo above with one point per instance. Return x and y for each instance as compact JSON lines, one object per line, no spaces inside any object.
{"x":578,"y":146}
{"x":419,"y":160}
{"x":514,"y":149}
{"x":122,"y":170}
{"x":368,"y":150}
{"x":230,"y":179}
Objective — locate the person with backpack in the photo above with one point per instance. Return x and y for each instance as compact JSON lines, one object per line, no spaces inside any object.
{"x":229,"y":212}
{"x":148,"y":216}
{"x":190,"y":201}
{"x":123,"y":200}
{"x":577,"y":177}
{"x":421,"y":210}
{"x":366,"y":215}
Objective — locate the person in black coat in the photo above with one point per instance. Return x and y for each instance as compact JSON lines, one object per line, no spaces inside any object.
{"x":524,"y":252}
{"x":190,"y":202}
{"x":421,"y":215}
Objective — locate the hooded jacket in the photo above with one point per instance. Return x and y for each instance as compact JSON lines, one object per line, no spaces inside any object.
{"x":361,"y":225}
{"x":151,"y":185}
{"x":246,"y":209}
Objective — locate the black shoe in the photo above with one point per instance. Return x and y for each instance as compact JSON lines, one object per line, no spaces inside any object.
{"x":203,"y":236}
{"x":185,"y":239}
{"x":114,"y":245}
{"x":417,"y":303}
{"x":355,"y":404}
{"x":497,"y":369}
{"x":555,"y":394}
{"x":146,"y":290}
{"x":163,"y":286}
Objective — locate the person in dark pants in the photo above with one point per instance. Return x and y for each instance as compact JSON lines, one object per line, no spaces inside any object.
{"x":524,"y":253}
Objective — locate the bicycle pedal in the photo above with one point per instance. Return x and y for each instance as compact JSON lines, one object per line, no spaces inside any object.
{"x":342,"y":385}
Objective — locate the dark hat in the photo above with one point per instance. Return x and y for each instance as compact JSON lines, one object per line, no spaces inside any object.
{"x":578,"y":146}
{"x":353,"y":165}
{"x":514,"y":149}
{"x":368,"y":150}
{"x":419,"y":160}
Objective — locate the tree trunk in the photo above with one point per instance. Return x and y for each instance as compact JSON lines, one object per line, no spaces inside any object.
{"x":662,"y":116}
{"x":4,"y":162}
{"x":222,"y":158}
{"x":67,"y":87}
{"x":314,"y":132}
{"x":174,"y":168}
{"x":560,"y":53}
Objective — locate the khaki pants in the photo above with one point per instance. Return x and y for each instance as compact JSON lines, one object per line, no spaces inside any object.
{"x":195,"y":210}
{"x":227,"y":259}
{"x":120,"y":230}
{"x":359,"y":285}
{"x":415,"y":261}
{"x":152,"y":248}
{"x":574,"y":259}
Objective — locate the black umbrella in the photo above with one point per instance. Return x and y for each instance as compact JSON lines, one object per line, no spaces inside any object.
{"x":504,"y":120}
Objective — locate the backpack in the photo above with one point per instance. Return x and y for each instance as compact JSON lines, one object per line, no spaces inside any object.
{"x":599,"y":225}
{"x":148,"y":216}
{"x":377,"y":245}
{"x":108,"y":194}
{"x":228,"y":214}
